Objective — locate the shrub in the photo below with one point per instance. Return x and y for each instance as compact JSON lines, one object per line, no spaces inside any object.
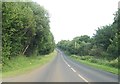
{"x":93,"y":60}
{"x":114,"y":63}
{"x":86,"y":57}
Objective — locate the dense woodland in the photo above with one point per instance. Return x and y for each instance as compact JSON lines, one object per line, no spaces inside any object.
{"x":25,"y":30}
{"x":104,"y":43}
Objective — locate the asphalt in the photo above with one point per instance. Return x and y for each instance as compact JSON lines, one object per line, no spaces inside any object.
{"x":64,"y":69}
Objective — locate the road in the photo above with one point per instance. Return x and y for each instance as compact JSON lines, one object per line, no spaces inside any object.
{"x":64,"y":69}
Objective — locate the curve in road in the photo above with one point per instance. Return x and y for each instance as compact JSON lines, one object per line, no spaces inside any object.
{"x":64,"y":69}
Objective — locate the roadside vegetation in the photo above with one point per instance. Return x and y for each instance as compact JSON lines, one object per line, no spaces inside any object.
{"x":103,"y":48}
{"x":26,"y":36}
{"x":0,"y":71}
{"x":22,"y":64}
{"x":102,"y":64}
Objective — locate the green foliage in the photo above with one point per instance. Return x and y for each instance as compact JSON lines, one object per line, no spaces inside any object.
{"x":79,"y":45}
{"x":102,"y":64}
{"x":96,"y":51}
{"x":21,"y":64}
{"x":114,"y":63}
{"x":113,"y":47}
{"x":84,"y":38}
{"x":25,"y":30}
{"x":103,"y":36}
{"x":92,"y":59}
{"x":103,"y":45}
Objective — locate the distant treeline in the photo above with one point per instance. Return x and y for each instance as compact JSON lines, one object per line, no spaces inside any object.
{"x":104,"y":43}
{"x":25,"y":30}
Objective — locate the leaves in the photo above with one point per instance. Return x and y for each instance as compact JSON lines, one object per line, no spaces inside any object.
{"x":25,"y":29}
{"x":105,"y":43}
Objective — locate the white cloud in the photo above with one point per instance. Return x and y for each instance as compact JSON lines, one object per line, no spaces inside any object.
{"x":70,"y":18}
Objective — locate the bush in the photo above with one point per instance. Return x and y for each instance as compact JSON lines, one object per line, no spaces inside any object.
{"x":86,"y":57}
{"x":114,"y":63}
{"x":102,"y":61}
{"x":105,"y":55}
{"x":95,"y":51}
{"x":93,"y":60}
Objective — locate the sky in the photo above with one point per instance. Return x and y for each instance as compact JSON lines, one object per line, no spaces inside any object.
{"x":71,"y":18}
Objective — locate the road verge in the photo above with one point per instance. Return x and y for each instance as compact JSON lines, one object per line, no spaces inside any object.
{"x":22,"y":64}
{"x":95,"y":65}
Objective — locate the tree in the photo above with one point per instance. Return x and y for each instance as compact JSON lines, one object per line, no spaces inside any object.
{"x":113,"y":47}
{"x":103,"y":36}
{"x":25,"y":30}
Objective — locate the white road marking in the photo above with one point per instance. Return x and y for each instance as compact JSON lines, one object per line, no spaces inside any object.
{"x":73,"y":70}
{"x":68,"y":65}
{"x":66,"y":62}
{"x":82,"y":78}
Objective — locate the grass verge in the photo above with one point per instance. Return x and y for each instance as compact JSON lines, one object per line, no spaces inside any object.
{"x":22,"y":64}
{"x":0,"y":71}
{"x":96,"y":65}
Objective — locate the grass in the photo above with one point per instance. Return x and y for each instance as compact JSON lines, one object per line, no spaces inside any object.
{"x":95,"y":63}
{"x":0,"y":71}
{"x":22,"y":64}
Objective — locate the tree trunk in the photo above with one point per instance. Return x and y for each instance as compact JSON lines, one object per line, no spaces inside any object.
{"x":25,"y":49}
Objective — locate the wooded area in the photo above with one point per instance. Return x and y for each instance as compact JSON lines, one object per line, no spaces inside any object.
{"x":25,"y":30}
{"x":104,"y":44}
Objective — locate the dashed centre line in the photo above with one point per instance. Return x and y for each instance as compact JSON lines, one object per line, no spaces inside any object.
{"x":74,"y":70}
{"x":69,"y":65}
{"x":82,"y":78}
